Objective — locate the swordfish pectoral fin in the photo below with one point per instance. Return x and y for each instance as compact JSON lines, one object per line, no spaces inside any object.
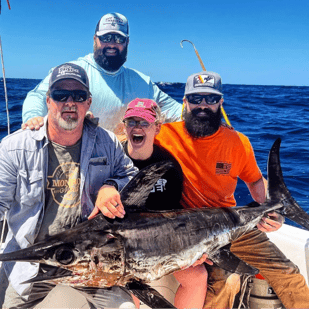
{"x":48,"y":272}
{"x":278,"y":193}
{"x":136,"y":192}
{"x":228,"y":261}
{"x":148,"y":295}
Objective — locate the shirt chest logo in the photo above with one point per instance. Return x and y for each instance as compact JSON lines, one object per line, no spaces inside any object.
{"x":223,"y":168}
{"x":64,"y":184}
{"x":159,"y":186}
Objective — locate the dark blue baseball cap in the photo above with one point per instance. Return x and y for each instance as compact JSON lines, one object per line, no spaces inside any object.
{"x":69,"y":71}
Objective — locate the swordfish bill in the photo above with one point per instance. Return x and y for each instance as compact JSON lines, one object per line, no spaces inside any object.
{"x":147,"y":245}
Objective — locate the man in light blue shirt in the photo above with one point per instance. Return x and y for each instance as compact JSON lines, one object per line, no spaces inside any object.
{"x":112,"y":85}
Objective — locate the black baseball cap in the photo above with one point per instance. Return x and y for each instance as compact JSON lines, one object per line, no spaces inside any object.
{"x":69,"y":71}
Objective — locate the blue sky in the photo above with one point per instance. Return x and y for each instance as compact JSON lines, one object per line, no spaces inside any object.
{"x":246,"y":41}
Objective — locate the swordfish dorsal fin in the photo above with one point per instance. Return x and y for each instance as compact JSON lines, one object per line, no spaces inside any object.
{"x":278,"y":193}
{"x":276,"y":187}
{"x":135,"y":193}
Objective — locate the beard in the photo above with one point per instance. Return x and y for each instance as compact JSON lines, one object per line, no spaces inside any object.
{"x":202,"y":125}
{"x":109,"y":63}
{"x":69,"y":124}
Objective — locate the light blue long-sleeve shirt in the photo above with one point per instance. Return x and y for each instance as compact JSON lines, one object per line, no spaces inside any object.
{"x":23,"y":180}
{"x":111,"y":93}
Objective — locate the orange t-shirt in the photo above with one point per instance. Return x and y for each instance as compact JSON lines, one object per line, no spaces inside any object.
{"x":211,"y":165}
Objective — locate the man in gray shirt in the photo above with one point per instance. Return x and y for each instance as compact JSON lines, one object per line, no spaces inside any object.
{"x":56,"y":177}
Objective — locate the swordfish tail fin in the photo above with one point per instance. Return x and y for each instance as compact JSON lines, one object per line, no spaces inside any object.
{"x":278,"y":193}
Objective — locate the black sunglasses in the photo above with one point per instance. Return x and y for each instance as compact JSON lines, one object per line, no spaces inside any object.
{"x":63,"y":95}
{"x":118,"y":38}
{"x":210,"y":99}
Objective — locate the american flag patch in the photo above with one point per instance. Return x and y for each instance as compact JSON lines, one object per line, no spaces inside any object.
{"x":223,"y":168}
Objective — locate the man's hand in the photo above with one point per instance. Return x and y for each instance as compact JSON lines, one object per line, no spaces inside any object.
{"x":109,"y":203}
{"x":203,"y":259}
{"x":271,"y":223}
{"x":33,"y":123}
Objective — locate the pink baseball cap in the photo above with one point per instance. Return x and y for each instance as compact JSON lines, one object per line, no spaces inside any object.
{"x":142,"y":108}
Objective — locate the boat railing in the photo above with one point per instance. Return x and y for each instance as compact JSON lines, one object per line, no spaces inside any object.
{"x":307,"y":257}
{"x":294,"y":243}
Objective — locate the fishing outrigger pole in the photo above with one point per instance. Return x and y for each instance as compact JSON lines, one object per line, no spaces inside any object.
{"x":8,"y":2}
{"x":204,"y":69}
{"x":3,"y":223}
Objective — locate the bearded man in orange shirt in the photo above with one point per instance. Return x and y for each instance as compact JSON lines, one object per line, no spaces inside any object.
{"x":212,"y":156}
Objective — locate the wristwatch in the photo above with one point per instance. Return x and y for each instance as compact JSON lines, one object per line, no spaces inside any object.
{"x":111,"y":183}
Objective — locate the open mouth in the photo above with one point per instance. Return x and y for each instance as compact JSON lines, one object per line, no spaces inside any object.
{"x":69,"y":115}
{"x":111,"y":52}
{"x":137,"y":138}
{"x":202,"y":114}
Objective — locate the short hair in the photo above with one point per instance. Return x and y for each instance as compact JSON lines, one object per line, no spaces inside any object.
{"x":159,"y":116}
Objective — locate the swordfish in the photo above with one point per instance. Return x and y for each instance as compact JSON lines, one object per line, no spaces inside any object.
{"x":147,"y":245}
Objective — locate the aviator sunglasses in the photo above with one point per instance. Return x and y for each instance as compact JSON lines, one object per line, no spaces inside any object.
{"x":210,"y":99}
{"x":119,"y":39}
{"x":134,"y":123}
{"x":63,"y":95}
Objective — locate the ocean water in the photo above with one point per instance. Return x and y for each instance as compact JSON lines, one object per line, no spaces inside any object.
{"x":263,"y":113}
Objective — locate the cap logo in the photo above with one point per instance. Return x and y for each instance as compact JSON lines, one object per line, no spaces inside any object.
{"x":67,"y":69}
{"x":113,"y":21}
{"x":204,"y":80}
{"x":140,"y":104}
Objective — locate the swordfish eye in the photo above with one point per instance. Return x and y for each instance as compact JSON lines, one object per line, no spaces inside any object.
{"x":64,"y":256}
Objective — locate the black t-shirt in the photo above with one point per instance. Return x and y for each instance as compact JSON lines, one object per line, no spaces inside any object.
{"x":166,"y":193}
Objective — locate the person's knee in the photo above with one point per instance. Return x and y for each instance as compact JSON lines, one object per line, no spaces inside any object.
{"x":292,"y":269}
{"x":196,"y":277}
{"x":289,"y":268}
{"x":201,"y":275}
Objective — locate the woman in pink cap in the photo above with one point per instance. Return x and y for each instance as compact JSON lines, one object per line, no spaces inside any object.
{"x":142,"y":122}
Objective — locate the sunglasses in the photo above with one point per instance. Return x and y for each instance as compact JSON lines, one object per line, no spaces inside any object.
{"x":210,"y":99}
{"x":63,"y":95}
{"x":118,"y":38}
{"x":133,"y":123}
